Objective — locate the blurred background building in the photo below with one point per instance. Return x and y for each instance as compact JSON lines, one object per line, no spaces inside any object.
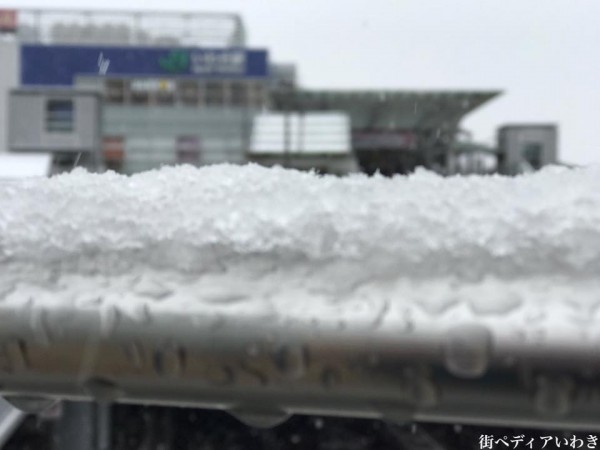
{"x":131,"y":91}
{"x":526,"y":147}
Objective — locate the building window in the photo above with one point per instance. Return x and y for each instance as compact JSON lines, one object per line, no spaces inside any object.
{"x":189,"y":92}
{"x":165,"y":98}
{"x":257,"y":95}
{"x":140,"y":98}
{"x":532,"y":153}
{"x":115,"y":91}
{"x":165,"y":91}
{"x":215,"y":93}
{"x":239,"y":94}
{"x":60,"y":116}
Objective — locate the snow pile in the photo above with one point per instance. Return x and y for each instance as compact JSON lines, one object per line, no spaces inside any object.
{"x":217,"y":234}
{"x":422,"y":224}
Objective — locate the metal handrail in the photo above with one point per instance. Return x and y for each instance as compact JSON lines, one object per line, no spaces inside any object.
{"x":262,"y":369}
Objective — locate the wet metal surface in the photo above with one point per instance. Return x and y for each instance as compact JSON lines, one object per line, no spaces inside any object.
{"x":263,"y":371}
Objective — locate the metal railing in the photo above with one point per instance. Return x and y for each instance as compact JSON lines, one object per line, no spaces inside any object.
{"x":262,"y":370}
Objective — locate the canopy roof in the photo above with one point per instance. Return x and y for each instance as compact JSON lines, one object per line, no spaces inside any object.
{"x":389,"y":109}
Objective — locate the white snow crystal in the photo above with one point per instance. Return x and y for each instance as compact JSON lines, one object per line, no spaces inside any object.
{"x":278,"y":237}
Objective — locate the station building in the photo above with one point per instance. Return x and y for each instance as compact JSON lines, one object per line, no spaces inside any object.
{"x":131,"y":91}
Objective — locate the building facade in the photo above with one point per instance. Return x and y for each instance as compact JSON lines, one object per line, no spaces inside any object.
{"x":158,"y":105}
{"x":185,"y":88}
{"x":526,"y":147}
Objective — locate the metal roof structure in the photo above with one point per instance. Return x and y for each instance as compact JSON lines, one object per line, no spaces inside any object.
{"x":387,"y":109}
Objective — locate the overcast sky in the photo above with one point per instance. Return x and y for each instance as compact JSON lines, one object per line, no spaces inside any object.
{"x":544,"y":54}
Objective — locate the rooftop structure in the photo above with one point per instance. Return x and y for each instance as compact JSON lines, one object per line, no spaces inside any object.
{"x":189,"y":29}
{"x":389,"y":109}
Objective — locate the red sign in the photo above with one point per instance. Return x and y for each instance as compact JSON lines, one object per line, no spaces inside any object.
{"x":8,"y":20}
{"x":114,"y":149}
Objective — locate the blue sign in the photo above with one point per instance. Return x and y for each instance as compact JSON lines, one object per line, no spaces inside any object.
{"x":60,"y":64}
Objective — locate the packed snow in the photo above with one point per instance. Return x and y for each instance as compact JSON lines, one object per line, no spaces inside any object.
{"x":289,"y":243}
